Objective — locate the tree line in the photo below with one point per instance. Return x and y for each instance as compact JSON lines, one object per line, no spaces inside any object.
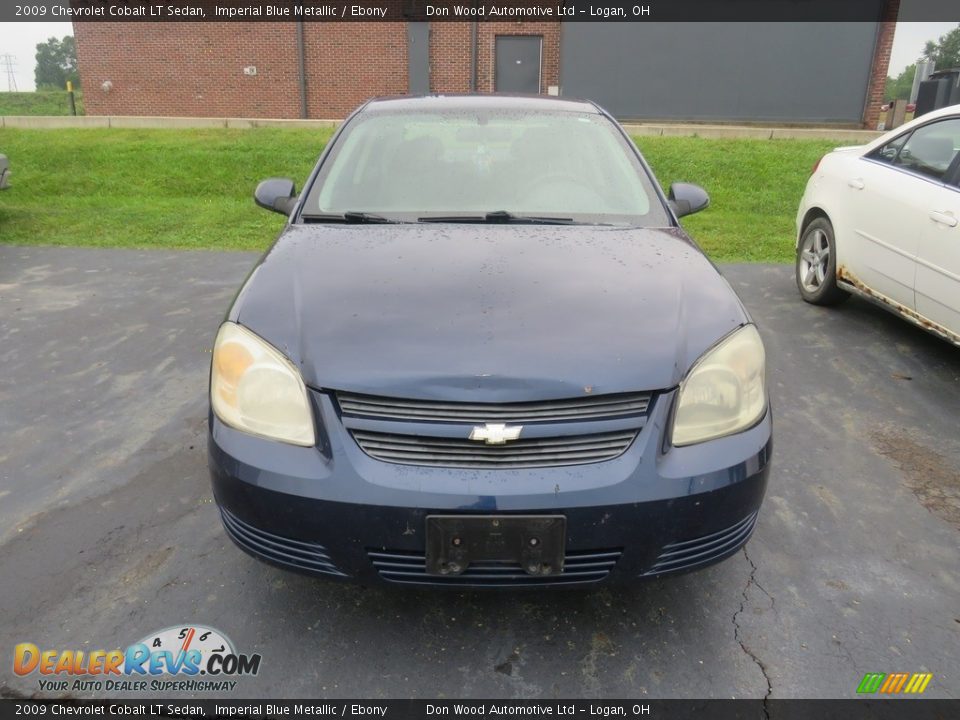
{"x":56,"y":64}
{"x":945,"y":54}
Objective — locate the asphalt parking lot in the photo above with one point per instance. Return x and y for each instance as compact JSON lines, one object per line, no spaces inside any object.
{"x":109,"y":531}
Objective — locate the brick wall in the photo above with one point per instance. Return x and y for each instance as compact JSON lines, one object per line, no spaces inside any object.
{"x":189,"y":69}
{"x":348,"y":63}
{"x":881,"y":65}
{"x":197,"y":69}
{"x":450,"y":64}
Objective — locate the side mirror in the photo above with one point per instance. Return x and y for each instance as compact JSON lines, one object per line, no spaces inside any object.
{"x":276,"y":194}
{"x":687,"y":199}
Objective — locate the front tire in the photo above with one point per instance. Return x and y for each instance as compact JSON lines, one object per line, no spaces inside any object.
{"x":816,"y":267}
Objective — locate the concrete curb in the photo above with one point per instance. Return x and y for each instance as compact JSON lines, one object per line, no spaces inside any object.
{"x":751,"y":132}
{"x":53,"y":122}
{"x":637,"y":129}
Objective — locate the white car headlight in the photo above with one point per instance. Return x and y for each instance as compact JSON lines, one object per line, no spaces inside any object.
{"x":724,"y":392}
{"x":254,"y":388}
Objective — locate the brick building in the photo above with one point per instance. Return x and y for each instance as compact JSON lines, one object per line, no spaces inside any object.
{"x":830,"y":73}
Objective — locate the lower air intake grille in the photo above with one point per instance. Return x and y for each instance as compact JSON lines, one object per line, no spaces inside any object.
{"x":707,"y":549}
{"x":411,"y":568}
{"x":456,"y":453}
{"x":299,"y":554}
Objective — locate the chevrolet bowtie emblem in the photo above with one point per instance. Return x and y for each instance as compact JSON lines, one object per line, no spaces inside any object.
{"x":493,"y":434}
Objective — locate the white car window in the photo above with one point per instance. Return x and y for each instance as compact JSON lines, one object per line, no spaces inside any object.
{"x":888,"y":153}
{"x":931,"y":149}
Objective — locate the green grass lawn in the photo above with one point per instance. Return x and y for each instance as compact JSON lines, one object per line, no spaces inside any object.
{"x":755,"y":187}
{"x":192,"y":188}
{"x":42,"y":102}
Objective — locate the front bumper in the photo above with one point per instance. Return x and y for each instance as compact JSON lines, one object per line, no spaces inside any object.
{"x":334,"y":511}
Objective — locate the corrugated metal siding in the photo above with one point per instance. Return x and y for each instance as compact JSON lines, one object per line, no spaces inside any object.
{"x":803,"y":72}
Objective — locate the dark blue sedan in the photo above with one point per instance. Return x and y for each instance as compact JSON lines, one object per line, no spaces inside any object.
{"x":483,"y":353}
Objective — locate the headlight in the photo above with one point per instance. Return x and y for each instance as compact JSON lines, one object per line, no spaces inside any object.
{"x":725,"y":390}
{"x":256,"y":389}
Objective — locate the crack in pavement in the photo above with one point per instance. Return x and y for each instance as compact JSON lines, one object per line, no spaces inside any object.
{"x":736,"y":631}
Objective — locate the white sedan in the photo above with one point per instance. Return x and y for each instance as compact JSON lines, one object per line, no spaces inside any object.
{"x":881,"y":220}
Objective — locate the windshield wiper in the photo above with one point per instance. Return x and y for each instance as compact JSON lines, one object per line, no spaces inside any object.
{"x":350,"y":217}
{"x":499,"y":216}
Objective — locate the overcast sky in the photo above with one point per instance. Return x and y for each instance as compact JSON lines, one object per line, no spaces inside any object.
{"x":20,"y":40}
{"x":909,"y":40}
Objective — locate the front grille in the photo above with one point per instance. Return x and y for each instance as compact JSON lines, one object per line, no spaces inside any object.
{"x":599,"y":407}
{"x":299,"y":554}
{"x":411,"y":568}
{"x":530,"y":453}
{"x":703,"y":550}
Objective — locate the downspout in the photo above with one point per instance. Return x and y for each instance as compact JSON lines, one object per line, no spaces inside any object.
{"x":473,"y":57}
{"x":873,"y":65}
{"x":302,"y":69}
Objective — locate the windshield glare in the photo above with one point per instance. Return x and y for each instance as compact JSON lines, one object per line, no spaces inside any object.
{"x":555,"y":164}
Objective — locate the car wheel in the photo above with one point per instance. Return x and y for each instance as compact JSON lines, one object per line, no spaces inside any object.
{"x":817,"y":265}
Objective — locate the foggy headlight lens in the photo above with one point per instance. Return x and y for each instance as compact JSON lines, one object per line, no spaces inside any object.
{"x":254,"y":388}
{"x":725,"y":391}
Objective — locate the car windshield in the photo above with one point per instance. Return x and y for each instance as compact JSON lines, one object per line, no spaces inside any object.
{"x":471,"y":164}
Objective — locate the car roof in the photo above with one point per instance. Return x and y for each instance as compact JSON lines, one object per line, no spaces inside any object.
{"x":429,"y":103}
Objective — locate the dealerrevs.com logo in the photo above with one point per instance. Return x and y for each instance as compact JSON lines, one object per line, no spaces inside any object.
{"x":182,"y":659}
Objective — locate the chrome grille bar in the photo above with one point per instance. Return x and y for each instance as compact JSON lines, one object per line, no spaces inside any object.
{"x":455,"y":453}
{"x":584,"y":408}
{"x":410,"y":568}
{"x":691,"y":553}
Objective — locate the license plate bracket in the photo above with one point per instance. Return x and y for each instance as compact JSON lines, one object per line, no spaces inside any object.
{"x":536,"y":542}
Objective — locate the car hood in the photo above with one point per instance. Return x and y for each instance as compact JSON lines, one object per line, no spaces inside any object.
{"x":491,"y":312}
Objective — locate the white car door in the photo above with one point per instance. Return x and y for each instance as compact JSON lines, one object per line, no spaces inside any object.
{"x":938,"y":258}
{"x":885,"y":216}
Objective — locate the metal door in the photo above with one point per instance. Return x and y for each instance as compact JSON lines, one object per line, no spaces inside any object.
{"x":518,"y":63}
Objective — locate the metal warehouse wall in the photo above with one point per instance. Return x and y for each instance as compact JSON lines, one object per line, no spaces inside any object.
{"x":806,"y":72}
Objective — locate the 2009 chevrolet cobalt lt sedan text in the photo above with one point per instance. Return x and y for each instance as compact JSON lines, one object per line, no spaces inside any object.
{"x":483,"y":353}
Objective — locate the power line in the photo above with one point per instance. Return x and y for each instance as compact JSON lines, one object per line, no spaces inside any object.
{"x":9,"y":62}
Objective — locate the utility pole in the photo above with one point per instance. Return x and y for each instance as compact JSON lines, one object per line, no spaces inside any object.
{"x":9,"y":62}
{"x":924,"y":69}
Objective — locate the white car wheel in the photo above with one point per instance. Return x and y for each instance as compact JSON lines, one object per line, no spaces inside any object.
{"x":816,"y":267}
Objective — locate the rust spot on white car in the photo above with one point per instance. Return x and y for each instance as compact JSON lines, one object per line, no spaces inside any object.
{"x":844,"y":275}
